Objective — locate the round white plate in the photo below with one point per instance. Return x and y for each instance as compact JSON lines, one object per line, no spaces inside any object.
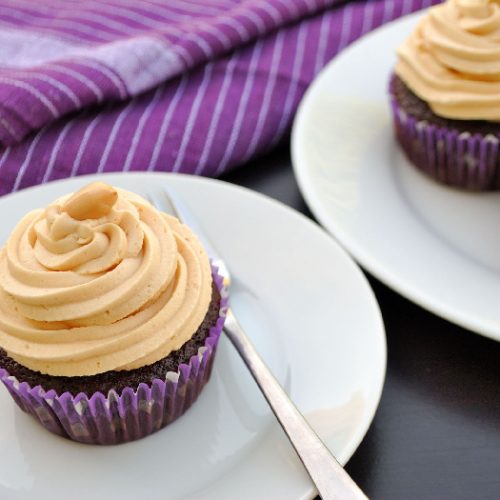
{"x":438,"y":246}
{"x":310,"y":313}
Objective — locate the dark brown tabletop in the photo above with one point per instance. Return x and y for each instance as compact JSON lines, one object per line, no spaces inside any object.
{"x":436,"y":434}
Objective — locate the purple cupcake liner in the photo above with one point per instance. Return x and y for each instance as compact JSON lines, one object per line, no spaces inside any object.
{"x":136,"y":412}
{"x":460,"y":159}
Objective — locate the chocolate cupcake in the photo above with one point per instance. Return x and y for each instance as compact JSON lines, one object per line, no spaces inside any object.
{"x":110,"y":315}
{"x":445,"y":94}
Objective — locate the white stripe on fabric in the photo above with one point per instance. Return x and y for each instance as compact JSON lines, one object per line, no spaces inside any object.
{"x":52,"y":82}
{"x":212,"y":128}
{"x":193,"y":113}
{"x":10,"y":130}
{"x":290,"y":5}
{"x":140,"y":126}
{"x":367,"y":17}
{"x":85,"y":140}
{"x":182,"y":6}
{"x":114,"y":131}
{"x":81,"y":15}
{"x":54,"y":24}
{"x":324,"y":31}
{"x":388,"y":11}
{"x":311,"y":6}
{"x":5,"y":155}
{"x":89,"y":63}
{"x":135,"y":15}
{"x":56,"y":148}
{"x":146,"y":22}
{"x":245,"y":95}
{"x":165,"y":5}
{"x":27,"y":159}
{"x":133,"y":3}
{"x":117,"y":26}
{"x":219,"y":3}
{"x":122,"y":28}
{"x":220,"y":35}
{"x":266,"y":100}
{"x":62,"y":37}
{"x":166,"y":122}
{"x":77,"y":76}
{"x":190,"y":8}
{"x":406,"y":7}
{"x":292,"y":89}
{"x":105,"y":21}
{"x":183,"y":53}
{"x":238,"y":27}
{"x":273,"y":12}
{"x":203,"y":44}
{"x":255,"y":19}
{"x":164,"y":28}
{"x":345,"y":32}
{"x":34,"y":92}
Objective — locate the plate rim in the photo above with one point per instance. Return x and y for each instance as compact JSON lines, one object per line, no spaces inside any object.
{"x":372,"y":263}
{"x":378,"y":328}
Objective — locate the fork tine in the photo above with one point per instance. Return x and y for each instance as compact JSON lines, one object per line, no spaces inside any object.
{"x":170,"y":202}
{"x":162,"y":203}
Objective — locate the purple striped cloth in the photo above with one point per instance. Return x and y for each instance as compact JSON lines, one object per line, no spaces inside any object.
{"x":194,"y":86}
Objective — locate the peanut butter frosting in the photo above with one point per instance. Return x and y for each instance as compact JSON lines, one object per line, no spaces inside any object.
{"x":100,"y":280}
{"x":452,"y":60}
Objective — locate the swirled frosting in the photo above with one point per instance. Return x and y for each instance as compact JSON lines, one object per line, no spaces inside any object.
{"x":452,"y":60}
{"x":98,"y":281}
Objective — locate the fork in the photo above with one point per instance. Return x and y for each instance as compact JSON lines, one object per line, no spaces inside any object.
{"x":330,"y":479}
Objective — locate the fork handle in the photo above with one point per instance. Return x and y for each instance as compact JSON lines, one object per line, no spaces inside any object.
{"x":331,"y":480}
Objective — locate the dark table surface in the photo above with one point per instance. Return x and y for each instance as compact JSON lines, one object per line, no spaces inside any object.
{"x":436,"y":433}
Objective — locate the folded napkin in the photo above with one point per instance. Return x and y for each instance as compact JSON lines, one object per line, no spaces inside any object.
{"x":195,"y":86}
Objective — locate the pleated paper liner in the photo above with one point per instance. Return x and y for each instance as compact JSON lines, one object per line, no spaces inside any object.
{"x":459,"y":159}
{"x":134,"y":413}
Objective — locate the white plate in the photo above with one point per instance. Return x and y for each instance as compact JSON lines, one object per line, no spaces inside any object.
{"x":438,"y":246}
{"x":313,"y":318}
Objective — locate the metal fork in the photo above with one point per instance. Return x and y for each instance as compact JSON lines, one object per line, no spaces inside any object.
{"x":331,"y":480}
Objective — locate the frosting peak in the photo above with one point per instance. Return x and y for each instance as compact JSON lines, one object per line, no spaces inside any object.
{"x":452,"y":60}
{"x":98,"y":281}
{"x":86,"y":233}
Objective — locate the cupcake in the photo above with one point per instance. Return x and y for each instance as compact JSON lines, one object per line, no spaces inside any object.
{"x":110,"y":315}
{"x":445,"y":94}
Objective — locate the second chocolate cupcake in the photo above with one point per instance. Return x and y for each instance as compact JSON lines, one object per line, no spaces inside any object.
{"x":445,"y":95}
